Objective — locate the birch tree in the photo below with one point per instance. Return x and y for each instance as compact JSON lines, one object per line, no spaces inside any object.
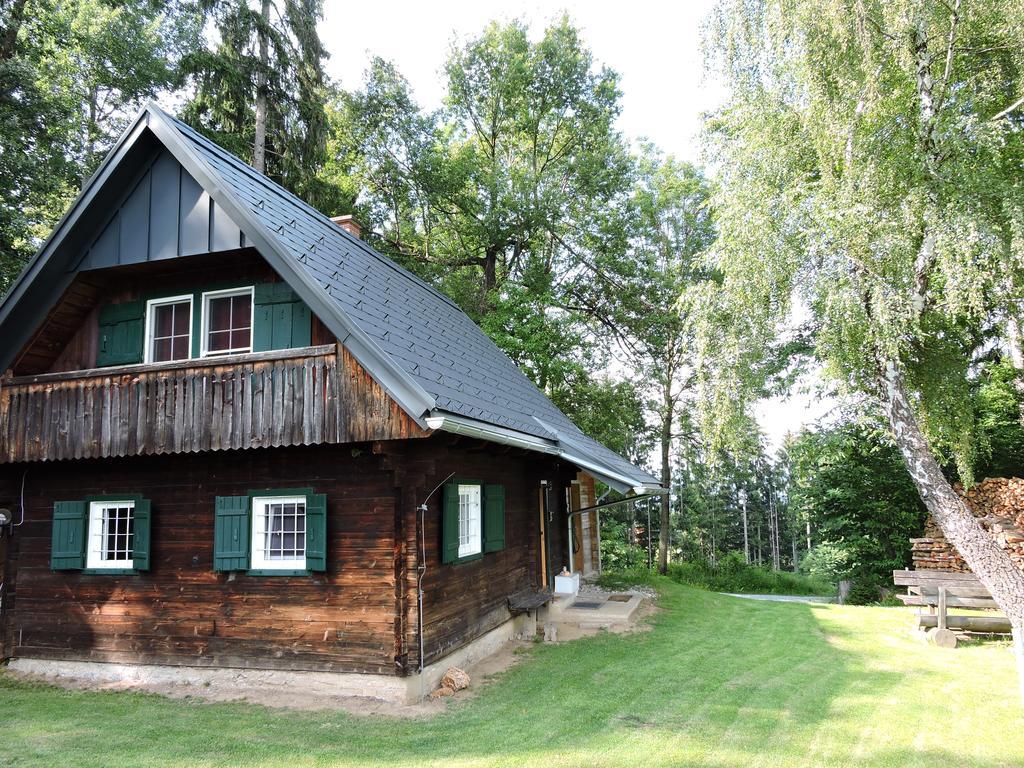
{"x":870,"y":157}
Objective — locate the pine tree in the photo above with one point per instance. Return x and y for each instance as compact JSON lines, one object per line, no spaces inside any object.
{"x":261,"y":89}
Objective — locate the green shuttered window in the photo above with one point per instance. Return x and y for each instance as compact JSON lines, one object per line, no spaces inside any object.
{"x":271,"y":532}
{"x":472,"y":520}
{"x":281,"y":320}
{"x":101,"y":534}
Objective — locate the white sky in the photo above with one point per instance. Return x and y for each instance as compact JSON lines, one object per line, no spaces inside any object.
{"x":654,"y":46}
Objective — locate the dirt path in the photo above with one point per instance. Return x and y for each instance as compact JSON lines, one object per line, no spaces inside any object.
{"x":783,"y":598}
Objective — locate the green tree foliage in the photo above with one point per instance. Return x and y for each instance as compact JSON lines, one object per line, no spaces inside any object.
{"x":500,"y":197}
{"x":260,"y":89}
{"x":850,"y":484}
{"x":646,"y":255}
{"x":71,"y":75}
{"x":870,"y":158}
{"x":1000,"y":451}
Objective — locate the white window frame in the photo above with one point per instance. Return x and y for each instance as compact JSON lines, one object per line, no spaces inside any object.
{"x":151,"y":305}
{"x":205,"y":329}
{"x":472,"y":543}
{"x":95,"y":536}
{"x":258,"y":560}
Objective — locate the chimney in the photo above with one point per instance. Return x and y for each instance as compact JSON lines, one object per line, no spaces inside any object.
{"x":349,"y":224}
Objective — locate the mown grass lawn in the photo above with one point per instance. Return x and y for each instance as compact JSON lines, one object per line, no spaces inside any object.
{"x":718,"y":681}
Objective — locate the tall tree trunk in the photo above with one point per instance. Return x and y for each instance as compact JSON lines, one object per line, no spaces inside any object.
{"x":990,"y":564}
{"x":259,"y":149}
{"x":667,"y":422}
{"x":746,"y":533}
{"x":10,"y":34}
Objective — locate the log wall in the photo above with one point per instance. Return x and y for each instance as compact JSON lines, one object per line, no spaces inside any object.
{"x":181,"y":611}
{"x":359,"y":616}
{"x":291,"y":397}
{"x":465,"y":600}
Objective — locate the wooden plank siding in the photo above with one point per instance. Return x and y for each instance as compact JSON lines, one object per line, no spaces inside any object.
{"x":360,"y":615}
{"x":181,"y":611}
{"x":305,"y":396}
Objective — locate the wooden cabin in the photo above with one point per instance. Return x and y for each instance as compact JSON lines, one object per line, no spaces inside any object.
{"x":235,"y":437}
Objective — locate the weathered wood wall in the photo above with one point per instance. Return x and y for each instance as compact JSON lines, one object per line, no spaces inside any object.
{"x":181,"y":611}
{"x":361,"y":615}
{"x":464,"y":601}
{"x":293,"y":397}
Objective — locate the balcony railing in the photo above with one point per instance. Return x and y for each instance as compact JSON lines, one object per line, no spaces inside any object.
{"x":290,"y":397}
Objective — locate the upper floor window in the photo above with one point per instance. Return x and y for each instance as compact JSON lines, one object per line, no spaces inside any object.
{"x":169,"y":329}
{"x":227,"y":321}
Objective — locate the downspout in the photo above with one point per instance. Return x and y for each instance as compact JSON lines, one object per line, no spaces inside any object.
{"x":421,"y":569}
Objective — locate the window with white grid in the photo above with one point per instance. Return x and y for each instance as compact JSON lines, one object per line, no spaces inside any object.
{"x":279,"y":532}
{"x":169,"y":329}
{"x":227,"y":321}
{"x":111,"y":534}
{"x":469,"y":520}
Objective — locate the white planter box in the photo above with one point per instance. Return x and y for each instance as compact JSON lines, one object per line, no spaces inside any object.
{"x":567,"y":585}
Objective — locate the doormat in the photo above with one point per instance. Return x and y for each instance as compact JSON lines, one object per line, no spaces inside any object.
{"x":589,"y":605}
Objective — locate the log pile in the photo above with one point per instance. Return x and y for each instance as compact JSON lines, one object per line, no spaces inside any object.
{"x":998,"y":503}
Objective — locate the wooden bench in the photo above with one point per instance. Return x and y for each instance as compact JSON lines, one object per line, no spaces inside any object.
{"x":941,"y":590}
{"x":526,"y":600}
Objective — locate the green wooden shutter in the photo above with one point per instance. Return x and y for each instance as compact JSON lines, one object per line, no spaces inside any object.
{"x":281,"y":318}
{"x":450,"y":525}
{"x":140,"y":535}
{"x":494,"y":518}
{"x":121,"y":332}
{"x":316,"y":532}
{"x":231,"y":533}
{"x":67,"y":545}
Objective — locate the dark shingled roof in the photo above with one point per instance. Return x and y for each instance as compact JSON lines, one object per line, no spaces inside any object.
{"x":435,"y":350}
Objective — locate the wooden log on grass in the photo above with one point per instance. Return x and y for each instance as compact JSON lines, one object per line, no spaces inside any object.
{"x":994,"y":624}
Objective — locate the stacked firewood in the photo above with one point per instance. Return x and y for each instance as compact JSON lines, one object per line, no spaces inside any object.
{"x":998,"y":503}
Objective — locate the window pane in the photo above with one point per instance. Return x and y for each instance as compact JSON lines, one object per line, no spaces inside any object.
{"x":220,"y":314}
{"x":239,"y":339}
{"x":219,"y":340}
{"x":284,"y":524}
{"x":241,"y":311}
{"x":163,"y":321}
{"x":182,"y":318}
{"x":118,"y":534}
{"x":179,"y":348}
{"x":162,"y":350}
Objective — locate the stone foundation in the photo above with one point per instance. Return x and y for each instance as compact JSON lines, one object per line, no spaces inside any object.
{"x":389,"y":688}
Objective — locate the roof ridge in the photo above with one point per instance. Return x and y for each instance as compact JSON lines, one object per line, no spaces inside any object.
{"x":272,"y":186}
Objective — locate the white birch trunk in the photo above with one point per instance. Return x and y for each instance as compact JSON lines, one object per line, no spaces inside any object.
{"x":986,"y":559}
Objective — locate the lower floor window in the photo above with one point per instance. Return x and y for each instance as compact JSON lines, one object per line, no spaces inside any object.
{"x":279,"y":532}
{"x":111,"y":534}
{"x":469,"y":520}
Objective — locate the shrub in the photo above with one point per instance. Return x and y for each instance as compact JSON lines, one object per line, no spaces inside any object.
{"x":828,"y":562}
{"x":863,"y":590}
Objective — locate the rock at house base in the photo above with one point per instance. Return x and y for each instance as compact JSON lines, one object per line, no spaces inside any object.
{"x":455,"y":679}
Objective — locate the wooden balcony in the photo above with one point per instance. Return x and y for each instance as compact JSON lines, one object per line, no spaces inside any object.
{"x":291,"y":397}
